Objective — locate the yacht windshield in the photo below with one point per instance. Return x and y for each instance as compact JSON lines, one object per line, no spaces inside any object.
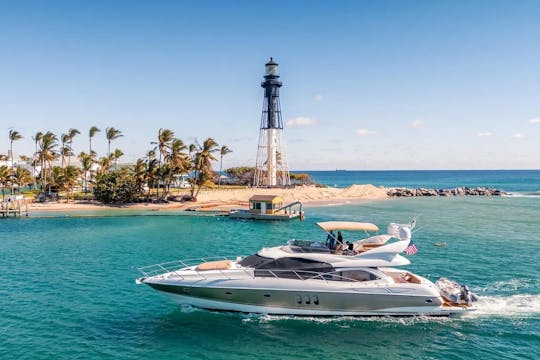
{"x":286,"y":267}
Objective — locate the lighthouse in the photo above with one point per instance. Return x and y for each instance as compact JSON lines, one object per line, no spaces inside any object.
{"x":271,"y":168}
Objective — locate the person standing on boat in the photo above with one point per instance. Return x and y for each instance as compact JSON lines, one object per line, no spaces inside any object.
{"x":340,"y":239}
{"x":331,"y":240}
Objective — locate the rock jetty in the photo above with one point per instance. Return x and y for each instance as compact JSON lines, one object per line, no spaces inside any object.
{"x":460,"y":191}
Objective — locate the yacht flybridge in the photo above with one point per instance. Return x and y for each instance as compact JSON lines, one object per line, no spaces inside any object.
{"x":314,"y":278}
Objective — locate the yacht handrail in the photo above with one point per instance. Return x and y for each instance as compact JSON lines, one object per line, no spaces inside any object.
{"x":174,"y":266}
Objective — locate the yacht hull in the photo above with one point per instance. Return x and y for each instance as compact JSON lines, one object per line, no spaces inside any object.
{"x":359,"y":302}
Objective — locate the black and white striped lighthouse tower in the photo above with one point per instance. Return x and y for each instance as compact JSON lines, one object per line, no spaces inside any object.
{"x":271,"y":168}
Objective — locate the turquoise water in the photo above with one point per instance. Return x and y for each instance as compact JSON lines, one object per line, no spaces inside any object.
{"x":68,"y":286}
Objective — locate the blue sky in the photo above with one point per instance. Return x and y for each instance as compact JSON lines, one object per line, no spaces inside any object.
{"x":367,"y":84}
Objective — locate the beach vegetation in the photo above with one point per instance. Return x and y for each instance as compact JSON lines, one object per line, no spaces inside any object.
{"x":301,"y":179}
{"x":170,"y":164}
{"x":116,"y":186}
{"x":241,"y":175}
{"x":5,"y":177}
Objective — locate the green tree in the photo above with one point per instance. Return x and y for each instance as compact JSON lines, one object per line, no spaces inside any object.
{"x":37,"y":138}
{"x":71,"y":134}
{"x":47,"y":154}
{"x":164,"y":143}
{"x":178,"y":160}
{"x":112,"y":134}
{"x":65,"y":150}
{"x":5,"y":177}
{"x":117,"y":186}
{"x":202,"y":164}
{"x":139,"y":173}
{"x":69,"y":179}
{"x":117,"y":154}
{"x":242,"y":175}
{"x":222,"y":152}
{"x":13,"y":136}
{"x":105,"y":163}
{"x":86,"y":166}
{"x":91,"y":133}
{"x":22,"y":177}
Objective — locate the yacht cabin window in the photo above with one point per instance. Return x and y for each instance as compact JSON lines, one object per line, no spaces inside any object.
{"x":354,"y":275}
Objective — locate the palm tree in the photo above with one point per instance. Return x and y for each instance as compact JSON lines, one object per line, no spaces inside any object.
{"x":165,"y":138}
{"x":112,"y":134}
{"x":178,"y":160}
{"x":71,"y":134}
{"x":203,"y":163}
{"x":13,"y":136}
{"x":105,"y":163}
{"x":116,"y":155}
{"x":21,"y":177}
{"x":93,"y":130}
{"x":37,"y":139}
{"x":5,"y":176}
{"x":86,"y":161}
{"x":139,"y":172}
{"x":47,"y":154}
{"x":56,"y":179}
{"x":64,"y":149}
{"x":69,"y":179}
{"x":222,"y":152}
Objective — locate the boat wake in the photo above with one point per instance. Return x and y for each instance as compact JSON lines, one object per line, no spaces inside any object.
{"x":514,"y":305}
{"x":345,"y":321}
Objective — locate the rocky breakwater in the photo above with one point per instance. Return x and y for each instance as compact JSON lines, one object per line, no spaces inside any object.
{"x":460,"y":191}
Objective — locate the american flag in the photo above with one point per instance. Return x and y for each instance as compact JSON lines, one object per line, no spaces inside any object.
{"x":411,"y":249}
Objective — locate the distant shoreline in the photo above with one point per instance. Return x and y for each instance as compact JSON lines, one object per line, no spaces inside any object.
{"x":228,"y":199}
{"x":224,"y":200}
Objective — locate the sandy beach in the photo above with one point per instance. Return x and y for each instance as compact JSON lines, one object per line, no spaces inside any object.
{"x":226,"y":199}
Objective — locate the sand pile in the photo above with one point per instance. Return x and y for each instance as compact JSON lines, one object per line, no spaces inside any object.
{"x":364,"y":191}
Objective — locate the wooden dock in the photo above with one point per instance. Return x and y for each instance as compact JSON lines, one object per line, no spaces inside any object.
{"x":13,"y":207}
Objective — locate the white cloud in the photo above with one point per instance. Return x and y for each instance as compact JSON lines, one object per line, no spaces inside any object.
{"x":301,"y":121}
{"x":485,"y":134}
{"x":417,"y":124}
{"x":365,"y":132}
{"x":534,"y":121}
{"x":318,"y":97}
{"x":518,"y":136}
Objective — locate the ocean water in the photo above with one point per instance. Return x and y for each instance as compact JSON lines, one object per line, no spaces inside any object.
{"x":522,"y":181}
{"x":68,"y":289}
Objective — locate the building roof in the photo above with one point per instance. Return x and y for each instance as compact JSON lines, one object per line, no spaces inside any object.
{"x":270,"y":198}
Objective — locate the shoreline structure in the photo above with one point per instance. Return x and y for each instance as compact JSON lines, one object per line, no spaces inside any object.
{"x":227,"y":199}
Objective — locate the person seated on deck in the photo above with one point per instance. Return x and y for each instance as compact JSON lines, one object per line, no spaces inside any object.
{"x":349,"y":249}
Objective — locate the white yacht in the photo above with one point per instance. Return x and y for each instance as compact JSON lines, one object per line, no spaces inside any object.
{"x":309,"y":278}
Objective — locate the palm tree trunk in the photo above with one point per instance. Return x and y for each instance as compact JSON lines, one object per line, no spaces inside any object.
{"x":34,"y":166}
{"x":11,"y":151}
{"x":220,"y":168}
